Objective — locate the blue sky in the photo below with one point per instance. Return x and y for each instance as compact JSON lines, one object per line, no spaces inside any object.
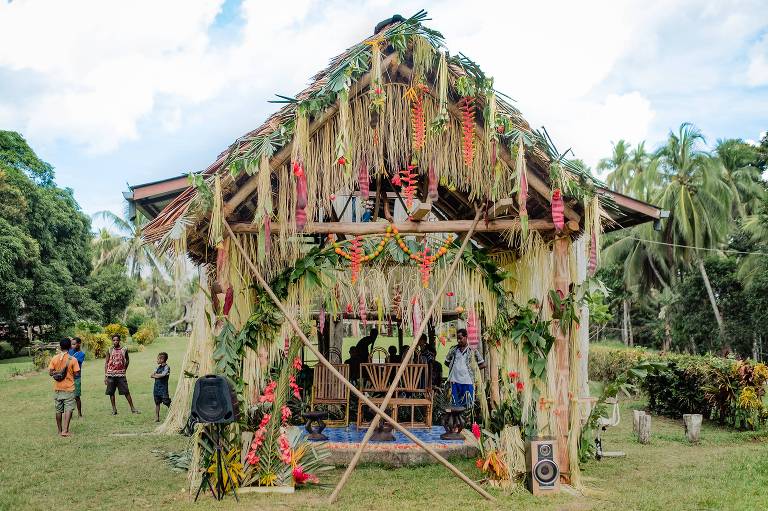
{"x":113,"y":93}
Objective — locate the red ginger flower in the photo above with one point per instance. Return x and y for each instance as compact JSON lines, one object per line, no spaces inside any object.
{"x":513,"y":375}
{"x":476,"y":430}
{"x":520,"y":386}
{"x":301,"y":477}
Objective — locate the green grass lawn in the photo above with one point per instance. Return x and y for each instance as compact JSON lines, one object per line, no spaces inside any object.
{"x":12,"y":367}
{"x":108,"y":464}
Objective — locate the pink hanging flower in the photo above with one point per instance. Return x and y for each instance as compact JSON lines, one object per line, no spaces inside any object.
{"x":476,"y":430}
{"x":558,"y":209}
{"x":285,"y":449}
{"x":297,"y":363}
{"x":296,"y":389}
{"x":269,"y":393}
{"x":285,"y":412}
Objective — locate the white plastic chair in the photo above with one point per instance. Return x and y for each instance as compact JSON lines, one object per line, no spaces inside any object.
{"x":603,"y":423}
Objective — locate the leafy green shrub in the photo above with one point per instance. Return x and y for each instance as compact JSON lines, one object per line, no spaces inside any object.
{"x":6,"y":350}
{"x":86,"y":325}
{"x":116,"y":329}
{"x":134,"y":348}
{"x":147,"y":333}
{"x":41,"y":359}
{"x":137,"y":316}
{"x":727,"y":391}
{"x":95,"y":345}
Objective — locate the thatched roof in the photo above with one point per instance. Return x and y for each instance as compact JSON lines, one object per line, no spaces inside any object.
{"x":351,"y":71}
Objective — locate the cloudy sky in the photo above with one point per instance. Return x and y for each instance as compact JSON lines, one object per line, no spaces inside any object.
{"x":115,"y":92}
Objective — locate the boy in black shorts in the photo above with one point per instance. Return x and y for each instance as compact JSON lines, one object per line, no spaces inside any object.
{"x":161,"y":375}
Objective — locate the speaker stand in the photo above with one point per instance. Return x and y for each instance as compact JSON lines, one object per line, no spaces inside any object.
{"x":219,"y":491}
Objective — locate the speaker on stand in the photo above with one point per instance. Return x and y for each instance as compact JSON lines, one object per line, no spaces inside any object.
{"x":541,"y":463}
{"x":214,"y":403}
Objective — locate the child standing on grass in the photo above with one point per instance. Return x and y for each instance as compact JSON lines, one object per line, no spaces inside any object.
{"x":161,"y":375}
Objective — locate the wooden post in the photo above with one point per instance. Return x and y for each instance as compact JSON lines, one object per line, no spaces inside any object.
{"x":562,"y":358}
{"x":379,"y":412}
{"x":403,"y":363}
{"x":493,"y":369}
{"x":644,"y":429}
{"x":692,"y":422}
{"x":636,"y":414}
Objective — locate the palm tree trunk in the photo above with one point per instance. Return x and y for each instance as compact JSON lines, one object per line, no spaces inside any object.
{"x":667,"y":335}
{"x":624,"y":322}
{"x":718,"y":316}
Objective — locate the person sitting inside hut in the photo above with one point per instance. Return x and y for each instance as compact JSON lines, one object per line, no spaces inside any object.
{"x":393,"y":357}
{"x":354,"y":365}
{"x":460,"y":371}
{"x":363,"y":346}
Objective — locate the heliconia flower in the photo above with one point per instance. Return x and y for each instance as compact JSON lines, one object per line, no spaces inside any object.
{"x":396,"y":181}
{"x":476,"y":430}
{"x":558,"y":209}
{"x":301,"y":477}
{"x":513,"y":375}
{"x":297,"y":363}
{"x":298,"y":170}
{"x":520,"y":386}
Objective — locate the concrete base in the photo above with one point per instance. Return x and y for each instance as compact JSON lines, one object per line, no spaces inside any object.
{"x":396,"y":455}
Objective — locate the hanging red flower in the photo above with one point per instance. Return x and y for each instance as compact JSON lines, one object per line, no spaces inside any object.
{"x":476,"y":430}
{"x":467,"y":106}
{"x":229,"y":299}
{"x":519,"y":386}
{"x":558,"y":209}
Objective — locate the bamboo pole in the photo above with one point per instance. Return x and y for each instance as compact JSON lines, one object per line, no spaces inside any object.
{"x":562,"y":358}
{"x":403,"y":363}
{"x":380,"y":413}
{"x":437,"y":226}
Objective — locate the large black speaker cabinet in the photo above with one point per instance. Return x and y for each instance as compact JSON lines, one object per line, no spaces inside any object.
{"x":212,"y":401}
{"x":541,"y":462}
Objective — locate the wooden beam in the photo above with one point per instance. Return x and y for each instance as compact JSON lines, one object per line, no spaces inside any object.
{"x":501,"y":207}
{"x":363,"y":228}
{"x":283,"y":154}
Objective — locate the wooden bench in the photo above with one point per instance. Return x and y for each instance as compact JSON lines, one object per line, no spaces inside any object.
{"x":413,"y":391}
{"x":328,"y":390}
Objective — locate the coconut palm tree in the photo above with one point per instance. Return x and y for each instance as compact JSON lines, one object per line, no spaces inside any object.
{"x":699,"y":201}
{"x":124,"y":245}
{"x":742,"y":175}
{"x":618,"y":166}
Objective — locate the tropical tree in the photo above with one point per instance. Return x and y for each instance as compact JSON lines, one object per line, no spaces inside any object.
{"x":739,"y":168}
{"x":699,"y":199}
{"x":125,"y":246}
{"x":618,"y":167}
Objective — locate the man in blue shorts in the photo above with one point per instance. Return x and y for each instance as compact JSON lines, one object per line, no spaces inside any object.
{"x":460,"y":371}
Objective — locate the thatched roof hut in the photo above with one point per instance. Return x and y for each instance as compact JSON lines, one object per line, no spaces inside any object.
{"x":347,"y":200}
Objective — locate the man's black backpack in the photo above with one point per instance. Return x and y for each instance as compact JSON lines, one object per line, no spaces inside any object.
{"x":60,"y":375}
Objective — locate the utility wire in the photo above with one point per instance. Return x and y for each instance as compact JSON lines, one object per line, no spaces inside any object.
{"x":699,"y":248}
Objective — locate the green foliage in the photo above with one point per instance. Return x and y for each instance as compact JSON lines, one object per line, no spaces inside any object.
{"x":6,"y":350}
{"x":113,"y":290}
{"x":135,"y":317}
{"x":95,"y":344}
{"x":45,"y":250}
{"x":147,"y":333}
{"x":116,"y":329}
{"x":712,"y":386}
{"x":534,"y":334}
{"x":41,"y":359}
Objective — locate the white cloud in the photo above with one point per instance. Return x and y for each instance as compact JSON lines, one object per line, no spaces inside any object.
{"x":757,"y":73}
{"x":591,"y":72}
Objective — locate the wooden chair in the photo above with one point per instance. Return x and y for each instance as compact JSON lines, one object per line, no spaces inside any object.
{"x":412,"y":392}
{"x":378,"y":355}
{"x":328,"y":390}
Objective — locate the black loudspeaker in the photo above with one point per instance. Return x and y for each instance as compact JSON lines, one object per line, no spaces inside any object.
{"x":541,"y":461}
{"x":212,"y":401}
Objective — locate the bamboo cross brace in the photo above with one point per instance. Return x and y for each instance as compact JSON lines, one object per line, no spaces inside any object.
{"x":379,"y":412}
{"x":403,"y":363}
